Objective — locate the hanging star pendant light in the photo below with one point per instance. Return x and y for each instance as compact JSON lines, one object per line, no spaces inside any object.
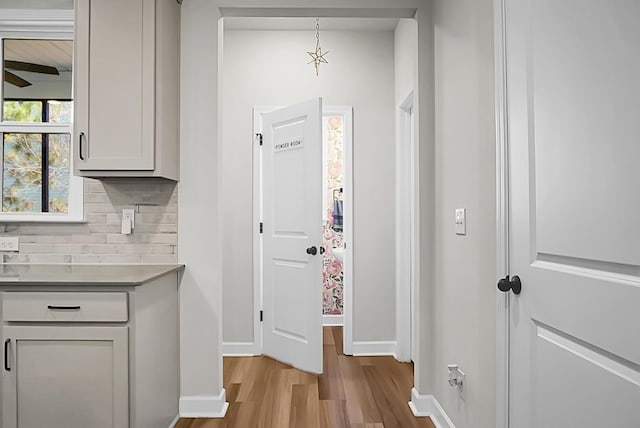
{"x":317,"y":56}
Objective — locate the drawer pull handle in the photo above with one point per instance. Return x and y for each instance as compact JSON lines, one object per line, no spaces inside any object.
{"x":63,"y":308}
{"x":6,"y":355}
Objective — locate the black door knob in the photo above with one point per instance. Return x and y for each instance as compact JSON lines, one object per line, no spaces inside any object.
{"x":312,"y":250}
{"x":321,"y":250}
{"x":514,"y":284}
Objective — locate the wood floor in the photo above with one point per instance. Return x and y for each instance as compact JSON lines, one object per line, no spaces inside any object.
{"x":357,"y":392}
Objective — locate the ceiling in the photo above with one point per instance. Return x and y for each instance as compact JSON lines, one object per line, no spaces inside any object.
{"x":308,"y":24}
{"x":54,"y":53}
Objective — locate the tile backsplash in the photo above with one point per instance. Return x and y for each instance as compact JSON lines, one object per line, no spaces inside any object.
{"x":98,"y":240}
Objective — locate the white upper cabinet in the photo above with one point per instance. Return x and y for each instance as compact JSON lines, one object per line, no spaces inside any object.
{"x":127,"y":88}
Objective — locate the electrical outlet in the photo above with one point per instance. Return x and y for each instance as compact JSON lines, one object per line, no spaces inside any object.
{"x":128,"y":221}
{"x":456,"y":376}
{"x":9,"y":243}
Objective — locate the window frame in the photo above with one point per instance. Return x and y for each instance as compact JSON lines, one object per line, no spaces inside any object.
{"x":49,"y":25}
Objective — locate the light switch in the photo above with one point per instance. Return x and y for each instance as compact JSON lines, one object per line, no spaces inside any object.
{"x":461,"y":221}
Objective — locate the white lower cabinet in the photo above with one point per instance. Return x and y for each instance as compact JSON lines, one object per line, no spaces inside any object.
{"x":90,"y":356}
{"x":64,"y":377}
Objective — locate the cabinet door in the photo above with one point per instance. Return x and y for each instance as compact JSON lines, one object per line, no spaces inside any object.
{"x":65,"y":377}
{"x":115,"y":85}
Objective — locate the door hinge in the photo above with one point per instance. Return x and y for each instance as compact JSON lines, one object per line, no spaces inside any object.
{"x":261,"y":316}
{"x":261,"y":227}
{"x":259,"y":135}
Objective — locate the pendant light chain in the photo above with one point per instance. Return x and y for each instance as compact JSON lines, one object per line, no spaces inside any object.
{"x":317,"y":56}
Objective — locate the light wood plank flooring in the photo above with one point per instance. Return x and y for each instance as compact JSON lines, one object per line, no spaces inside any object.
{"x":357,"y":392}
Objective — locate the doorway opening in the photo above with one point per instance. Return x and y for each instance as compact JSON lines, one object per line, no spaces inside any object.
{"x":337,"y":213}
{"x":354,"y":76}
{"x":221,"y":287}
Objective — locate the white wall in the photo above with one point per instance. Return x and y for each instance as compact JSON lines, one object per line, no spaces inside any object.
{"x":465,"y":328}
{"x":406,"y":59}
{"x":425,"y":112}
{"x":199,"y":224}
{"x":269,"y":68}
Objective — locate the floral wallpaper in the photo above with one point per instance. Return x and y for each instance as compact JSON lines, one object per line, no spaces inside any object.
{"x":332,"y":275}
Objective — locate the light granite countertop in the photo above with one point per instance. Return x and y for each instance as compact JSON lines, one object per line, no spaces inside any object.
{"x":128,"y":275}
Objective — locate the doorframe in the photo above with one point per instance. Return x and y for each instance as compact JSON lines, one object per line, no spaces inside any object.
{"x":347,"y":265}
{"x":502,"y":216}
{"x":257,"y":219}
{"x":407,"y":274}
{"x":201,"y":229}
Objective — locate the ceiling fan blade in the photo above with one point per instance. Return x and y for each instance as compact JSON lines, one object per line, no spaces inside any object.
{"x":28,"y":66}
{"x":15,"y":80}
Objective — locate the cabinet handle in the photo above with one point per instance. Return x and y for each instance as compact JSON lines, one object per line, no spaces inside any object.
{"x":6,"y":355}
{"x":80,"y":138}
{"x":63,"y":308}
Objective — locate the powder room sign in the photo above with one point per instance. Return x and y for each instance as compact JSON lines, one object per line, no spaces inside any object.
{"x":292,"y":144}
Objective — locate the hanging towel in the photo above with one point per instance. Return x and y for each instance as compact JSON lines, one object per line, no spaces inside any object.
{"x":337,"y":215}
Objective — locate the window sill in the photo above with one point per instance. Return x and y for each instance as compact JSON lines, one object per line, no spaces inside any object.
{"x":41,"y":219}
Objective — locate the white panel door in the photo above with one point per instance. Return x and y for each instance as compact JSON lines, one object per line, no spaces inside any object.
{"x":573,"y":84}
{"x":292,"y":237}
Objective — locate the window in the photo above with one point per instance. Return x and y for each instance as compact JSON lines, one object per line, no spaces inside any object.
{"x":36,"y":125}
{"x":36,"y":164}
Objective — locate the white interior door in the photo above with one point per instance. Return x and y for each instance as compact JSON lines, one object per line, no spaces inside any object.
{"x":573,"y":87}
{"x":292,"y":235}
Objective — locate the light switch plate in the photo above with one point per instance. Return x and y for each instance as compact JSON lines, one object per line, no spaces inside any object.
{"x":9,"y":243}
{"x":461,"y":221}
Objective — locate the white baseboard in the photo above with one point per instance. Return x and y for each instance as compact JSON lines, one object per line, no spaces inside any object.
{"x":174,"y":421}
{"x":238,"y":349}
{"x":427,"y":405}
{"x":332,"y":320}
{"x":362,"y":349}
{"x":203,"y":406}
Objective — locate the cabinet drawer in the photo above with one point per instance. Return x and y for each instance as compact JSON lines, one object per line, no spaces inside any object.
{"x":65,"y":307}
